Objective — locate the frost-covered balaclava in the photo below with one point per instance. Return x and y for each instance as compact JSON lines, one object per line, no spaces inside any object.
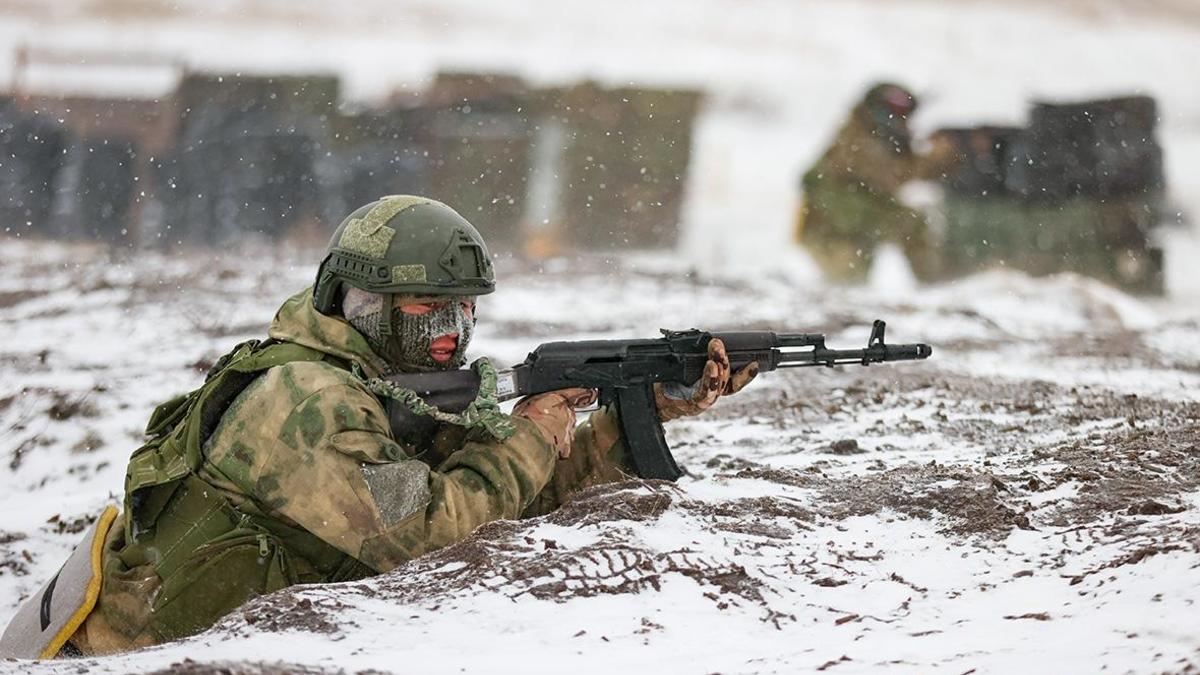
{"x":407,"y":348}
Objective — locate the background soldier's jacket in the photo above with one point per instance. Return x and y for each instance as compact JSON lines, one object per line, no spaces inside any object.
{"x":302,"y":481}
{"x":850,"y":200}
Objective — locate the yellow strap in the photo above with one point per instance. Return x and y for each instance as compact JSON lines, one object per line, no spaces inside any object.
{"x":103,"y":525}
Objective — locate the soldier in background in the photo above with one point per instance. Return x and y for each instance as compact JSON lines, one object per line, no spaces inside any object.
{"x":850,"y":196}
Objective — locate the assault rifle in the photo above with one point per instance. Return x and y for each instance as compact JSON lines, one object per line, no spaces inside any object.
{"x":625,"y":372}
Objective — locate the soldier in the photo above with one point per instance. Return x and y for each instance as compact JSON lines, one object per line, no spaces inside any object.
{"x":850,"y":196}
{"x":283,"y":467}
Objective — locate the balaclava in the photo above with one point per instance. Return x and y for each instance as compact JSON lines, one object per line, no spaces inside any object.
{"x":406,"y":349}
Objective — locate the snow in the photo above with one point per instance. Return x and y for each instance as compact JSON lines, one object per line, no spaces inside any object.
{"x":828,"y":580}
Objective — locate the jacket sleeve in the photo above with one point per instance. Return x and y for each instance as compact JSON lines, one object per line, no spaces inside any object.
{"x":600,"y":448}
{"x":598,"y":455}
{"x":342,"y":477}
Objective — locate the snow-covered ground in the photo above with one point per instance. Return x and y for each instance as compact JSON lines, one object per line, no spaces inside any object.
{"x":1026,"y":500}
{"x":778,"y":75}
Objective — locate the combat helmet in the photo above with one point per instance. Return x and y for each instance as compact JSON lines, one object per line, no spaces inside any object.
{"x":403,"y":244}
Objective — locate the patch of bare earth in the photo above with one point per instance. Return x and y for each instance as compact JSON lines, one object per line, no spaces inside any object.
{"x":1116,"y":453}
{"x":190,"y":667}
{"x":504,"y":557}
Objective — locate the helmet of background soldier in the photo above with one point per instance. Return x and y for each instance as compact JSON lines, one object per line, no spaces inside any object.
{"x":887,"y":107}
{"x":893,"y":98}
{"x":403,"y":244}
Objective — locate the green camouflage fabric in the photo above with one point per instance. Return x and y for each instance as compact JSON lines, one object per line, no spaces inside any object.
{"x":850,"y":200}
{"x":312,"y":424}
{"x":306,"y":447}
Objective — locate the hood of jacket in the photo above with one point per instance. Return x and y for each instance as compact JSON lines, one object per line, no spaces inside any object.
{"x":299,"y":321}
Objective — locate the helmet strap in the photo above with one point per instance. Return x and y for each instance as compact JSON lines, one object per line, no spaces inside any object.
{"x":385,"y":315}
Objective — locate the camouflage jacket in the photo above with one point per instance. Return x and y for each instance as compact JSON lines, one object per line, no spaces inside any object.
{"x":865,"y":155}
{"x":311,"y":446}
{"x":315,"y":487}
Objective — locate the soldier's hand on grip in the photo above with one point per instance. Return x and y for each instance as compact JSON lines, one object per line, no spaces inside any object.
{"x":554,"y":414}
{"x":676,"y":401}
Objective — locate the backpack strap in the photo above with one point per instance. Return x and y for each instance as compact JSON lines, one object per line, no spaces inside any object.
{"x":179,"y":427}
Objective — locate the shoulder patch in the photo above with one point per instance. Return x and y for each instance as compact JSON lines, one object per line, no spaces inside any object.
{"x":400,"y":490}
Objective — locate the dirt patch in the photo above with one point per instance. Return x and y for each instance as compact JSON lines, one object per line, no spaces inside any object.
{"x":1130,"y":470}
{"x":973,"y":502}
{"x":13,"y":561}
{"x":638,"y":501}
{"x":25,"y":447}
{"x":616,"y":568}
{"x":1123,"y":346}
{"x":65,"y":407}
{"x":59,"y":525}
{"x":190,"y":667}
{"x":1189,"y":541}
{"x":798,"y":479}
{"x":1124,"y":454}
{"x":287,"y":611}
{"x":90,"y":442}
{"x":14,"y":298}
{"x":1036,"y":616}
{"x":769,"y":517}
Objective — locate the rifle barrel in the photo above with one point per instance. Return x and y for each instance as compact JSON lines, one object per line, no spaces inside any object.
{"x":875,"y":354}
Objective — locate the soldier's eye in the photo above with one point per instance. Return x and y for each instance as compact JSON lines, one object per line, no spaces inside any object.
{"x":418,"y":308}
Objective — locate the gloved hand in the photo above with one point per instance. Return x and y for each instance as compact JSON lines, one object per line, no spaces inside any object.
{"x":676,"y":401}
{"x":554,"y":414}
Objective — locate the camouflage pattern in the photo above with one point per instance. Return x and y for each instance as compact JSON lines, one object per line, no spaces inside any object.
{"x":306,"y":455}
{"x":307,"y":424}
{"x":597,"y":456}
{"x":717,"y":381}
{"x":850,"y":195}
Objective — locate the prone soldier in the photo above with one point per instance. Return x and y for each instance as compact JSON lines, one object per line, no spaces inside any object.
{"x":283,"y":468}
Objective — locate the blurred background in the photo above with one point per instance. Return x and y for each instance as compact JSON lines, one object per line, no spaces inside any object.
{"x":884,"y":142}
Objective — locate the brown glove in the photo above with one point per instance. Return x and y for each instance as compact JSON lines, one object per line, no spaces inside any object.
{"x":675,"y":402}
{"x":554,"y":414}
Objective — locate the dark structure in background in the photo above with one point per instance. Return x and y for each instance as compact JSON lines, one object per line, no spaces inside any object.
{"x":1079,"y":189}
{"x":95,"y":195}
{"x":370,"y":154}
{"x":544,"y":170}
{"x":246,"y":153}
{"x":477,"y":131}
{"x":549,"y":169}
{"x":625,"y":162}
{"x":31,"y":158}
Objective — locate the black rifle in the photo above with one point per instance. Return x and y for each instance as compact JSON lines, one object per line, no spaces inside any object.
{"x":625,"y":372}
